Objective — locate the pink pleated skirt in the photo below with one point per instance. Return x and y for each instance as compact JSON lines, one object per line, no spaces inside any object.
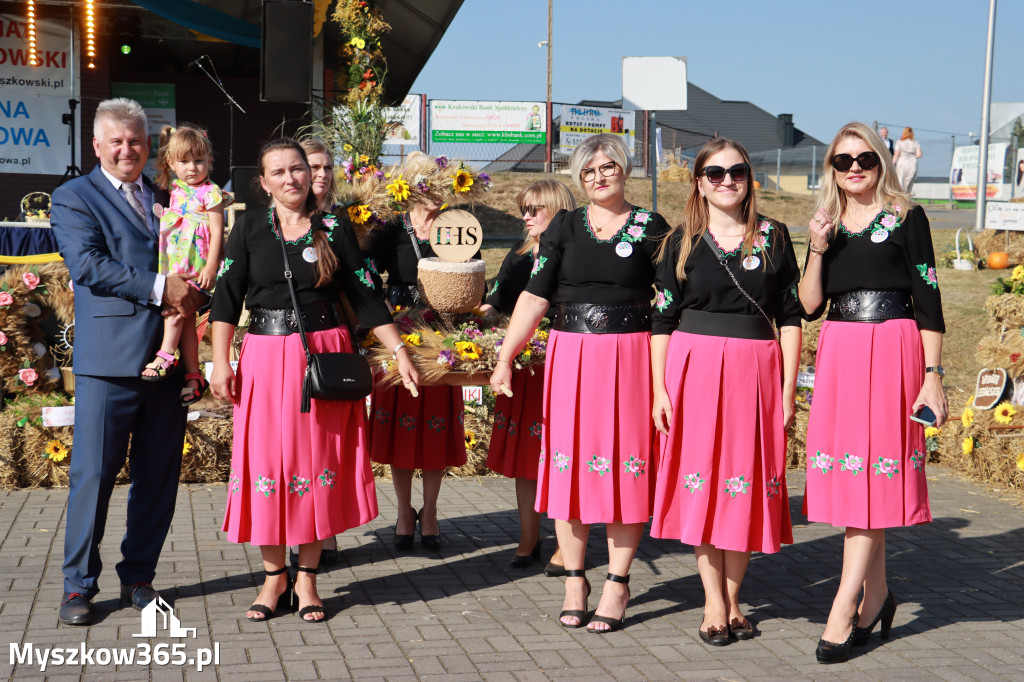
{"x":295,"y":478}
{"x":721,"y":476}
{"x":417,"y":433}
{"x":865,"y":457}
{"x":515,"y":438}
{"x":596,"y":444}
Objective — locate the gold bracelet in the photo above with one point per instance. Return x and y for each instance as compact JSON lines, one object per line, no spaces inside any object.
{"x":508,"y":362}
{"x":815,"y":249}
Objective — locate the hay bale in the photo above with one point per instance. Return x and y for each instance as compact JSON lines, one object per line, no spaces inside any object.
{"x":796,"y":441}
{"x":809,"y":343}
{"x":206,"y":453}
{"x":1001,"y":240}
{"x":10,"y":472}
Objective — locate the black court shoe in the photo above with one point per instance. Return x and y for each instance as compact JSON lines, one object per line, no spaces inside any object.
{"x":885,"y":614}
{"x":403,"y":543}
{"x":523,"y":562}
{"x":431,"y":542}
{"x":830,"y":652}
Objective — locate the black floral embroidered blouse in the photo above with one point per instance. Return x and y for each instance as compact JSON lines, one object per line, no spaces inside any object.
{"x":769,"y":274}
{"x":889,"y":254}
{"x":574,"y":266}
{"x":253,"y":271}
{"x":510,"y":282}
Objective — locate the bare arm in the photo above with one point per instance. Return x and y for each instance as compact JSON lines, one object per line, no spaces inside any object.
{"x":223,"y":385}
{"x":790,"y":339}
{"x":388,"y":335}
{"x":932,"y":392}
{"x":662,"y":407}
{"x":811,"y":292}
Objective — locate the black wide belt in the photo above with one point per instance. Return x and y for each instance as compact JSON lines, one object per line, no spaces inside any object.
{"x":754,"y":327}
{"x":871,"y":305}
{"x":588,"y":318}
{"x":281,"y":321}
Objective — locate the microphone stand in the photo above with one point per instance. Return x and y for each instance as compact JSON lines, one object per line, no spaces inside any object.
{"x":215,"y":79}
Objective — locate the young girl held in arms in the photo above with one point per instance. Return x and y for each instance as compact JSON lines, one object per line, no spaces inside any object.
{"x":191,"y":244}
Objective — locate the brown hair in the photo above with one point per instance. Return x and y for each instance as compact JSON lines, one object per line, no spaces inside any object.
{"x":696,"y":215}
{"x":326,"y":261}
{"x":314,"y":145}
{"x":187,"y":141}
{"x":553,"y":195}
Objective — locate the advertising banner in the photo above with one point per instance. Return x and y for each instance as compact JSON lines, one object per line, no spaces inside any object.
{"x":33,"y":138}
{"x":158,"y":101}
{"x":407,"y":132}
{"x":963,"y":176}
{"x":1018,"y":174}
{"x":578,"y":123}
{"x":497,"y":122}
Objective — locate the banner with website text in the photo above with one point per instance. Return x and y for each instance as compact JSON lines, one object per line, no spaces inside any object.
{"x":963,"y":176}
{"x":33,"y":139}
{"x":495,"y":122}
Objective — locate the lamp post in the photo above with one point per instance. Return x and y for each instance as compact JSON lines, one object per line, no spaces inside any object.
{"x":986,"y":105}
{"x":547,"y":136}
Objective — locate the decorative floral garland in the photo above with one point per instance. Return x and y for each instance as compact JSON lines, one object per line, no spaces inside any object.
{"x":471,"y":346}
{"x":362,"y":27}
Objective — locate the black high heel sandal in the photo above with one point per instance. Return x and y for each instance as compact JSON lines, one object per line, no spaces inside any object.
{"x":612,"y":623}
{"x":266,"y":611}
{"x":312,"y":608}
{"x":885,"y":614}
{"x":404,"y":542}
{"x":431,"y":542}
{"x":523,"y":562}
{"x":831,"y":652}
{"x":576,"y":613}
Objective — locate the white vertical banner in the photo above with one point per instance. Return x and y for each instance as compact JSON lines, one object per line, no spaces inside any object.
{"x":33,"y":99}
{"x":407,"y":116}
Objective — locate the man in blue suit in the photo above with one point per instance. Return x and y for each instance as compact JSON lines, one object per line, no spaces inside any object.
{"x":108,"y":236}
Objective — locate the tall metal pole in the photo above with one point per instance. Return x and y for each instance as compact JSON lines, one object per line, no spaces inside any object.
{"x":547,"y":145}
{"x":986,"y":105}
{"x":652,"y":132}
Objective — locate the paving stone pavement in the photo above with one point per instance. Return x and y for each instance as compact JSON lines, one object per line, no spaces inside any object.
{"x":463,"y":614}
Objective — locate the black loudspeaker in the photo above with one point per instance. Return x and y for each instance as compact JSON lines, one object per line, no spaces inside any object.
{"x":286,"y":51}
{"x":245,"y":186}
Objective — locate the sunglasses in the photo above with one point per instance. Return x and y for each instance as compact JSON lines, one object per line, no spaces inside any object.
{"x":844,"y":162}
{"x":716,"y":174}
{"x":607,"y":170}
{"x":531,"y":210}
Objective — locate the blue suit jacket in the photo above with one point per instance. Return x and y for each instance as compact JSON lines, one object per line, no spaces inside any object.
{"x":112,"y":258}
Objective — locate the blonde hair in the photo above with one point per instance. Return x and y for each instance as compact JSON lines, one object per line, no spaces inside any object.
{"x":314,"y":145}
{"x":553,"y":195}
{"x":908,"y":133}
{"x":185,"y":142}
{"x":696,"y":214}
{"x":612,"y":146}
{"x":888,"y":190}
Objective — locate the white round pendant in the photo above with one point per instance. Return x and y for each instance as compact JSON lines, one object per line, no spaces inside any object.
{"x":623,"y":249}
{"x":879,"y":236}
{"x":751,"y":262}
{"x":309,"y":254}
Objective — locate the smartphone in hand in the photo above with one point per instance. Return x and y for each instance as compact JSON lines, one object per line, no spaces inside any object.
{"x":924,"y":416}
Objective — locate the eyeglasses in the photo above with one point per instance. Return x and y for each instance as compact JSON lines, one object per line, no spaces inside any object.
{"x":531,"y":210}
{"x":607,"y":170}
{"x":716,"y":174}
{"x":844,"y":162}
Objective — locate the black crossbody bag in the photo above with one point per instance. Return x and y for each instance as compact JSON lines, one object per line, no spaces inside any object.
{"x":329,"y":376}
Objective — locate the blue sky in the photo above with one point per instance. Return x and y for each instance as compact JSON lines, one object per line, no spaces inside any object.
{"x":905,"y":62}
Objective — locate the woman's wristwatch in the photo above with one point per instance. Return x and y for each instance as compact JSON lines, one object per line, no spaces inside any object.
{"x":938,"y":369}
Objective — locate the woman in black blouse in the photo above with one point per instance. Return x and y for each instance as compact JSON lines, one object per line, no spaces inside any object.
{"x":515,"y":438}
{"x":596,"y":267}
{"x":407,"y":432}
{"x":723,"y":396}
{"x":879,"y":360}
{"x":295,"y":478}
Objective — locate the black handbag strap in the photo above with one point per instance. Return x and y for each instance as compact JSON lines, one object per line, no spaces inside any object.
{"x":295,"y":298}
{"x":721,"y":259}
{"x":412,"y":235}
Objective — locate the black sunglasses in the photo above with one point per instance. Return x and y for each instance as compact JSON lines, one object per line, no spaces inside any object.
{"x":531,"y":209}
{"x":844,"y":162}
{"x":716,"y":174}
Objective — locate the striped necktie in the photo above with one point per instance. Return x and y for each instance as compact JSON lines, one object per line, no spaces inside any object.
{"x":130,"y":191}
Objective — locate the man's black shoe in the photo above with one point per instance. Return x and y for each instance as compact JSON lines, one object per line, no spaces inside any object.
{"x":76,"y":609}
{"x":138,"y":595}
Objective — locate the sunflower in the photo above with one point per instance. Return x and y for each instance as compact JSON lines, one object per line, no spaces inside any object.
{"x":467,"y":350}
{"x":359,"y":213}
{"x":347,"y":147}
{"x":967,"y":445}
{"x":967,"y":417}
{"x":1020,"y":461}
{"x":56,"y":451}
{"x":1018,"y":273}
{"x":413,"y":339}
{"x":1004,"y":413}
{"x":398,"y":189}
{"x":462,"y":181}
{"x":931,"y":432}
{"x":185,"y":447}
{"x":471,"y":439}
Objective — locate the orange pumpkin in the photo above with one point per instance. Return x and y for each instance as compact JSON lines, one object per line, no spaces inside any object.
{"x":998,"y":260}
